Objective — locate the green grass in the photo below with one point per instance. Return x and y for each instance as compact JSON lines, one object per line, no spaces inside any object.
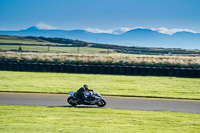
{"x":82,"y":50}
{"x":75,"y":120}
{"x":24,"y":41}
{"x":149,"y":86}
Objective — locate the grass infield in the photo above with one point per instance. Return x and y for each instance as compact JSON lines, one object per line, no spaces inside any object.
{"x":88,"y":120}
{"x":147,"y":86}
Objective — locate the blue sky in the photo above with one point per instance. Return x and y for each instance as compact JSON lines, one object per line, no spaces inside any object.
{"x":101,"y":15}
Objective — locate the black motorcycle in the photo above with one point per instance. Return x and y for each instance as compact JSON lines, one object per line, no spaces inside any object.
{"x":91,"y":99}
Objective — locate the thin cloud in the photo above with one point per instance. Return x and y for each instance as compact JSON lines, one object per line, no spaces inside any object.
{"x":110,"y":31}
{"x":44,"y":26}
{"x":96,"y":30}
{"x":124,"y":29}
{"x":171,"y":31}
{"x":121,"y":30}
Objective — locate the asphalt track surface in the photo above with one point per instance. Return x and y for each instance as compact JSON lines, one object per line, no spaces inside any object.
{"x":129,"y":103}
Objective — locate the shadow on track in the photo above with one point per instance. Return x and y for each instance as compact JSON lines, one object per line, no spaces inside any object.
{"x":80,"y":106}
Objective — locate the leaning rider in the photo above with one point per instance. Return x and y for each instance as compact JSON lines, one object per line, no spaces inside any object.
{"x":80,"y":93}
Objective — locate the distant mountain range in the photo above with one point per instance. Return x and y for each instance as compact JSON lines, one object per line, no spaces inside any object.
{"x":136,"y":37}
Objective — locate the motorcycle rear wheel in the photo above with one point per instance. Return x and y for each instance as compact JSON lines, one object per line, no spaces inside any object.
{"x":101,"y":103}
{"x":71,"y":101}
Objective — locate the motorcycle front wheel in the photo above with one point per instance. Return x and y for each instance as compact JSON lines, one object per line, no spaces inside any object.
{"x":71,"y":101}
{"x":101,"y":103}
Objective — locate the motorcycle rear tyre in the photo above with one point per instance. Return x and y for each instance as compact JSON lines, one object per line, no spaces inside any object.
{"x":71,"y":98}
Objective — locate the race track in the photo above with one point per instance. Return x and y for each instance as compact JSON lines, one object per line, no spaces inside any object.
{"x":130,"y":103}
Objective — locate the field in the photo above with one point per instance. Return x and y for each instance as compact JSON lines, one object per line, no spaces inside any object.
{"x":63,"y":119}
{"x":112,"y":58}
{"x":59,"y":119}
{"x":147,"y":86}
{"x":93,"y":53}
{"x":80,"y":50}
{"x":23,"y":40}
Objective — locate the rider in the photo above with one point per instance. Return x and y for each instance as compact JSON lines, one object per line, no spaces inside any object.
{"x":80,"y":93}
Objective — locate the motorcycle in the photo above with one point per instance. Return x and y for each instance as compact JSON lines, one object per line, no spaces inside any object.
{"x":90,"y":99}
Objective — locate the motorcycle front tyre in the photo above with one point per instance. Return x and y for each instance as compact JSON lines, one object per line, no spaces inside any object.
{"x":102,"y":103}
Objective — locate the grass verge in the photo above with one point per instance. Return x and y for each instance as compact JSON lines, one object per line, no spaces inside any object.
{"x":147,"y":86}
{"x":59,"y":119}
{"x":81,"y":50}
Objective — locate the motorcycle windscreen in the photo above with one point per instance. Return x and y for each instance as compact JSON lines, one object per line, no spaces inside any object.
{"x":71,"y":93}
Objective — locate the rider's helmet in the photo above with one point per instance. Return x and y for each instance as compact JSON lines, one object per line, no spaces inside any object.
{"x":85,"y":87}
